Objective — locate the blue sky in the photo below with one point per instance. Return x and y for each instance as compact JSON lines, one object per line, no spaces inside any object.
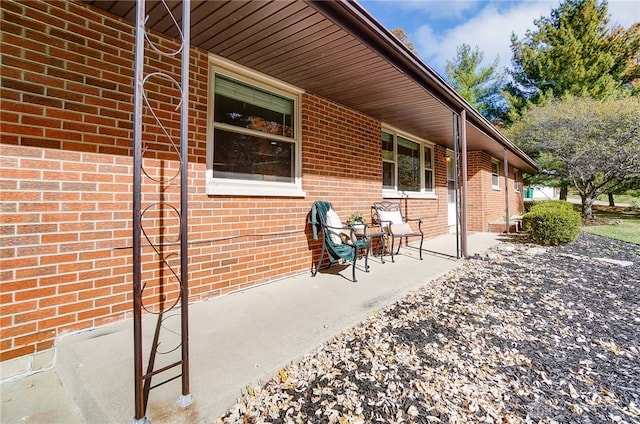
{"x":437,"y":27}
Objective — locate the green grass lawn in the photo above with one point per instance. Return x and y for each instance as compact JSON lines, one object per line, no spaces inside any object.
{"x":627,"y":229}
{"x":624,"y":221}
{"x":619,"y":199}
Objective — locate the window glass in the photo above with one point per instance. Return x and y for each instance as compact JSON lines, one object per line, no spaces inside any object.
{"x":428,"y":180}
{"x":387,"y":146}
{"x":388,"y":175}
{"x":408,"y":165}
{"x":248,"y":107}
{"x":251,"y":128}
{"x":388,"y":162}
{"x":428,"y":168}
{"x":495,"y":174}
{"x":428,"y":153}
{"x":249,"y":157}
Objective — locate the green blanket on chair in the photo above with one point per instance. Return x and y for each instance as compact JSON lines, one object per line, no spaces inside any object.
{"x":319,"y":211}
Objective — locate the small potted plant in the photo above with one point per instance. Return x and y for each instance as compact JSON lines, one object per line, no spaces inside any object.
{"x":356,"y":220}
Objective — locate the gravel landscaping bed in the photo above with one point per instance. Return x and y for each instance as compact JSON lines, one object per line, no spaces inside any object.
{"x":527,"y":334}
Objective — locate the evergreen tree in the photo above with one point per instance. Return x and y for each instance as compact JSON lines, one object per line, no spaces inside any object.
{"x":574,"y":51}
{"x":479,"y":85}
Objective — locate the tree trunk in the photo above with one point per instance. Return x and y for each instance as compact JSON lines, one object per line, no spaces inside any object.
{"x":587,"y":203}
{"x":611,"y":202}
{"x":563,"y":192}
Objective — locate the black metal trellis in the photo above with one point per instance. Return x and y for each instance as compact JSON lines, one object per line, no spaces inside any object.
{"x":166,"y":290}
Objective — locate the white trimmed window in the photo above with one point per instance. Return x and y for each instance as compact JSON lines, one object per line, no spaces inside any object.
{"x":254,"y":146}
{"x":428,"y":168}
{"x":407,"y":164}
{"x":388,"y":161}
{"x":495,"y":174}
{"x":516,"y":180}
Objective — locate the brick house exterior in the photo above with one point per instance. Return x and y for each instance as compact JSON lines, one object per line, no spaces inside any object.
{"x":485,"y":200}
{"x":66,"y":185}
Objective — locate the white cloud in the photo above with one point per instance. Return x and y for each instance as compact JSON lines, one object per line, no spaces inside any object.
{"x":492,"y":27}
{"x":490,"y":30}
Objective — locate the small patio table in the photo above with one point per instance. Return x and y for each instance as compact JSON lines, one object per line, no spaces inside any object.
{"x":372,"y":232}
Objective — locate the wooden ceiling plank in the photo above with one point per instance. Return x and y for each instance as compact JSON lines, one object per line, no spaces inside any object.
{"x":256,"y":27}
{"x":276,"y":43}
{"x":310,"y":36}
{"x":224,"y":23}
{"x":159,"y":20}
{"x":309,"y":58}
{"x":303,"y":54}
{"x":327,"y":60}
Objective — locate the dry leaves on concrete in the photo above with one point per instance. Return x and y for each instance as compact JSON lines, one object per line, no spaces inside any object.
{"x":526,"y":335}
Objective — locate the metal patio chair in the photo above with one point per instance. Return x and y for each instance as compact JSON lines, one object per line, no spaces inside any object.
{"x":390,"y":217}
{"x":339,"y":240}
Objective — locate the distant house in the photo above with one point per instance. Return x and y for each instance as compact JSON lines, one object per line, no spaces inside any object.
{"x":545,"y":193}
{"x":290,"y":102}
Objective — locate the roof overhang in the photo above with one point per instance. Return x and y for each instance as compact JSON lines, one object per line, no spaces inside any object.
{"x":337,"y":50}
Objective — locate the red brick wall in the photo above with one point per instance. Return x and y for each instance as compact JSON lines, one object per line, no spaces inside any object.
{"x":516,"y":198}
{"x":66,"y":166}
{"x":341,"y":156}
{"x":477,"y":169}
{"x":67,"y":180}
{"x":66,"y":186}
{"x":486,"y":204}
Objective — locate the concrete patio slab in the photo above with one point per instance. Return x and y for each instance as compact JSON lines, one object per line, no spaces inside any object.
{"x":236,"y":341}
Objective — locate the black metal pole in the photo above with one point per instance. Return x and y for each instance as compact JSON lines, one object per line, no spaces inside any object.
{"x":185,"y":399}
{"x":463,"y":188}
{"x":139,"y":416}
{"x":456,"y":144}
{"x":506,"y":189}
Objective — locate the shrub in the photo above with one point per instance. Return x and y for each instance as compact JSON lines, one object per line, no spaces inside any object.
{"x":553,"y":204}
{"x":552,"y":222}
